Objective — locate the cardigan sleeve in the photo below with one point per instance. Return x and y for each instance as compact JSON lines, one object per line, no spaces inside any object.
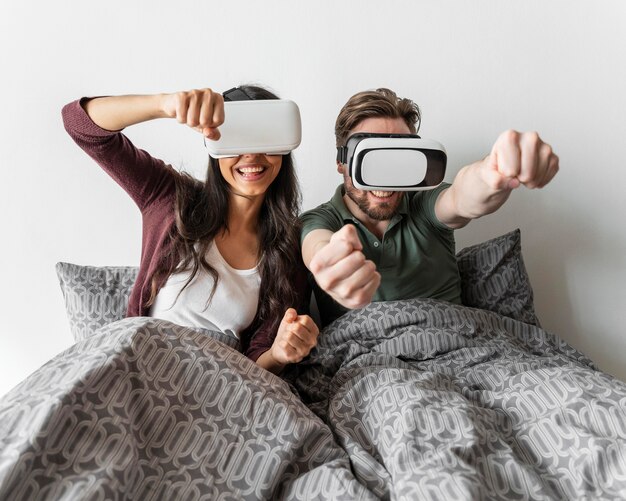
{"x":145,"y":178}
{"x":259,"y":337}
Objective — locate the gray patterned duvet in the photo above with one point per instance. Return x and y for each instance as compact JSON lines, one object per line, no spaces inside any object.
{"x":404,"y":400}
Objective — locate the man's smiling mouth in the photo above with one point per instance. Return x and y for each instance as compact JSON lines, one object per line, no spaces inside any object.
{"x":382,"y":194}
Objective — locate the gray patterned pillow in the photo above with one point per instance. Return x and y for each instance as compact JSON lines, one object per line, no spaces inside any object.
{"x":493,"y":277}
{"x":94,"y":296}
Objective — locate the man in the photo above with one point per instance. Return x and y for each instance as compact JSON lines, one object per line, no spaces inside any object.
{"x":365,"y":246}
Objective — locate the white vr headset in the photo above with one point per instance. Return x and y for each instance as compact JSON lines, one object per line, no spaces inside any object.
{"x":271,"y":126}
{"x":393,"y":162}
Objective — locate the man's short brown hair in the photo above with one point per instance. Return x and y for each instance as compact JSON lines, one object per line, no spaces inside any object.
{"x":375,"y":103}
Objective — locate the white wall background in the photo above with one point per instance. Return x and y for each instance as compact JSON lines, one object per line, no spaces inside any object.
{"x":476,"y":68}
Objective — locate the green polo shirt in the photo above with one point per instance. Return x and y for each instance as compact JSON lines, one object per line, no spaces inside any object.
{"x":415,"y":258}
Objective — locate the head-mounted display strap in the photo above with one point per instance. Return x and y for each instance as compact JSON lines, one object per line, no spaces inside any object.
{"x":342,"y":154}
{"x":236,"y":94}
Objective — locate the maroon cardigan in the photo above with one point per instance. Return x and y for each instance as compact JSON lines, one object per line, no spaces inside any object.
{"x":151,"y":184}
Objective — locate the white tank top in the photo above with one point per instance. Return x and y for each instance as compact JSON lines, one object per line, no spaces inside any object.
{"x":232,"y":308}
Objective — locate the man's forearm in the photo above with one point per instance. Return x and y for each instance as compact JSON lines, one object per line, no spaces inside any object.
{"x":468,"y":197}
{"x":516,"y":159}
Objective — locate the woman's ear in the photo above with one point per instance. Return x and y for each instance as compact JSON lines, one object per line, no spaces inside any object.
{"x":341,"y":168}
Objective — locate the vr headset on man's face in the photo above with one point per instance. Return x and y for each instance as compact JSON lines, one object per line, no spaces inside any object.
{"x":393,"y":162}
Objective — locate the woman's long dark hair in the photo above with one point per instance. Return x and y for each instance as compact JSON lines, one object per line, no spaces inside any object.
{"x":202,"y":213}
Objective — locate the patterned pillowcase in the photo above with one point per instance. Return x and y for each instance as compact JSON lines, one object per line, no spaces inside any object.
{"x":94,"y":296}
{"x":493,"y":277}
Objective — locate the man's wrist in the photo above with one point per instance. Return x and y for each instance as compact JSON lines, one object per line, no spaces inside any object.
{"x":312,"y":252}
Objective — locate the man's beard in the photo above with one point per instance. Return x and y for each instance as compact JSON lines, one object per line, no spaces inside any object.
{"x":380,"y":212}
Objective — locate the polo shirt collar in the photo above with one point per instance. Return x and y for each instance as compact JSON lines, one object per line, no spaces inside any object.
{"x":340,"y":206}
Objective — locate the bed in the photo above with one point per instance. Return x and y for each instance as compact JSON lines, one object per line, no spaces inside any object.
{"x":415,"y":399}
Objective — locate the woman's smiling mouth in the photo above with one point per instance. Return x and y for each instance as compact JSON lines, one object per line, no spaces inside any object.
{"x":251,"y":172}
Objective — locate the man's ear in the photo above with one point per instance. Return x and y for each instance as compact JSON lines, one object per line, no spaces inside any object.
{"x":341,"y":168}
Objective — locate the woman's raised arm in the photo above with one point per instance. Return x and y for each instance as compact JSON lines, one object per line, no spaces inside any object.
{"x":201,"y":109}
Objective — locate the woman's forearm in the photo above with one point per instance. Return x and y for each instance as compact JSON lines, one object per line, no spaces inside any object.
{"x":114,"y":113}
{"x":268,"y":362}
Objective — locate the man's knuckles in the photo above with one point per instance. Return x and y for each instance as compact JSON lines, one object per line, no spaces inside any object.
{"x":341,"y":248}
{"x":326,"y":280}
{"x":358,"y":298}
{"x":531,"y":140}
{"x":509,"y":138}
{"x":330,"y":254}
{"x":347,"y":231}
{"x":358,"y":301}
{"x":347,"y":234}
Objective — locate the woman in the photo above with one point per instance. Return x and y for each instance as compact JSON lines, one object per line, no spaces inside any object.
{"x":222,"y":254}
